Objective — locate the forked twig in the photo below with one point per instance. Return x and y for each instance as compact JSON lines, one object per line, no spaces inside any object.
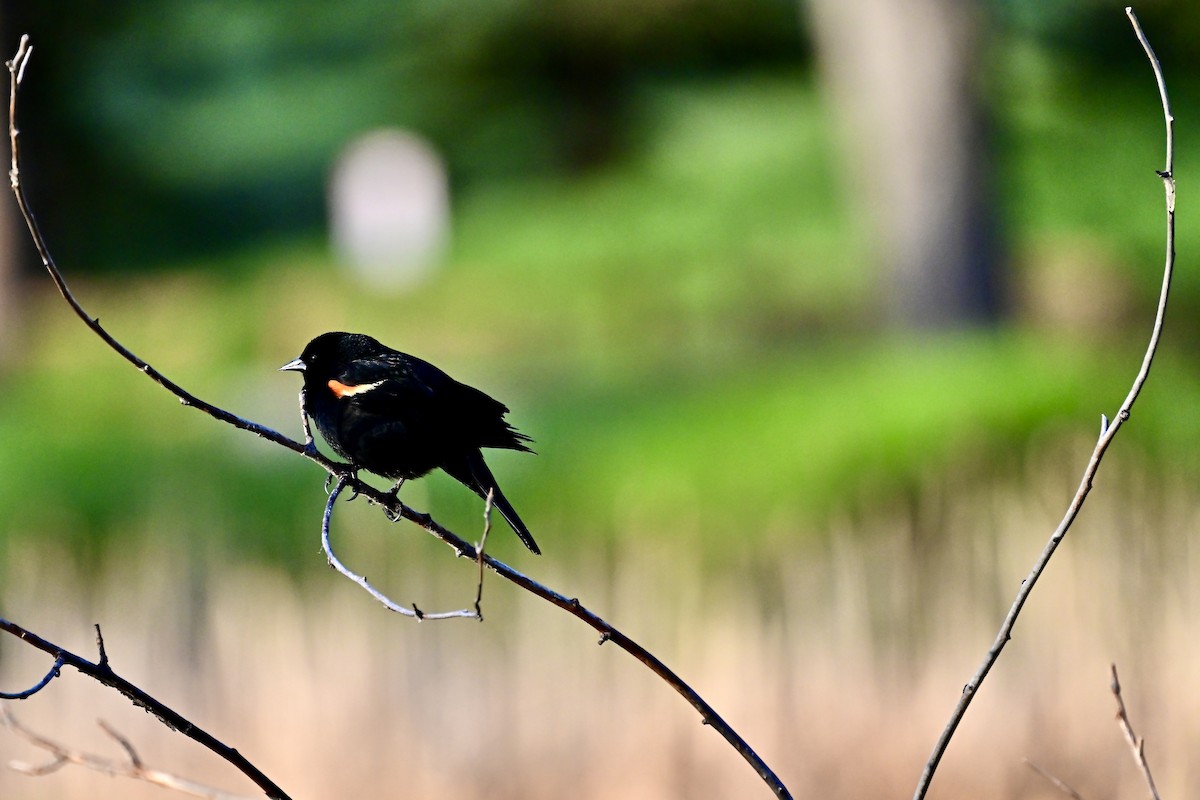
{"x":388,"y":603}
{"x":391,"y":504}
{"x":133,"y":767}
{"x":1107,"y":432}
{"x":101,"y":672}
{"x":1137,"y":744}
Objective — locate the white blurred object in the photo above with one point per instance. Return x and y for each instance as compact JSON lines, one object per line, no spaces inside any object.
{"x":389,"y":209}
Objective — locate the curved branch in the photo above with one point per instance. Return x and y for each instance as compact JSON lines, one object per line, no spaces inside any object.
{"x":1107,"y":432}
{"x":54,"y":672}
{"x":388,"y":603}
{"x":346,"y":473}
{"x":16,"y":69}
{"x":101,"y":672}
{"x":608,"y":632}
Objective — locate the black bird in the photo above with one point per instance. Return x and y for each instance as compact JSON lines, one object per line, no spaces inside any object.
{"x":395,"y":415}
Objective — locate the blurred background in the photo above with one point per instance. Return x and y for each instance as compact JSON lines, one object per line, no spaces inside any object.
{"x":812,"y":309}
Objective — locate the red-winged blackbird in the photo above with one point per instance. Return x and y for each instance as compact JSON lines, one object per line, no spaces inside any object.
{"x":400,"y":417}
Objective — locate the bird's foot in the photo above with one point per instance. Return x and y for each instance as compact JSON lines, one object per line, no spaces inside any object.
{"x":347,"y":475}
{"x":394,"y":508}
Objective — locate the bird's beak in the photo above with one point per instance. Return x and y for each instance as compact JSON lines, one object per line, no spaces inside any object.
{"x":295,"y":365}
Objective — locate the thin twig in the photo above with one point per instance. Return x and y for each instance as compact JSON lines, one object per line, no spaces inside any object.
{"x":1055,"y":781}
{"x":1137,"y":744}
{"x":54,"y":672}
{"x":16,"y":68}
{"x":102,"y":673}
{"x":1107,"y":432}
{"x":135,"y":768}
{"x":388,"y":603}
{"x":392,"y":505}
{"x":100,"y":647}
{"x":480,"y":548}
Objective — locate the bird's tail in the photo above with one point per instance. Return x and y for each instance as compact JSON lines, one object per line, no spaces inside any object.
{"x":473,"y":472}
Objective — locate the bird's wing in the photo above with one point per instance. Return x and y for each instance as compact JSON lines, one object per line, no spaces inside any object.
{"x":430,"y":400}
{"x":394,"y":378}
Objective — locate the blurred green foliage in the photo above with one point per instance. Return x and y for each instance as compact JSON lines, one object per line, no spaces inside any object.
{"x":207,"y":125}
{"x":683,"y":318}
{"x":179,"y":129}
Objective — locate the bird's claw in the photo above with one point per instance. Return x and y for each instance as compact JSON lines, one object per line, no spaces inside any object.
{"x":393,"y":501}
{"x":394,"y":510}
{"x":347,"y":476}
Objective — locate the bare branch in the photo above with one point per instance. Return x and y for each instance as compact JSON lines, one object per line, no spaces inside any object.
{"x":1055,"y":781}
{"x":1136,"y":744}
{"x":479,"y":549}
{"x":388,"y":603}
{"x":16,"y":68}
{"x":135,"y":768}
{"x":54,"y":672}
{"x":346,"y":476}
{"x":1107,"y":432}
{"x":102,"y":673}
{"x":608,"y":633}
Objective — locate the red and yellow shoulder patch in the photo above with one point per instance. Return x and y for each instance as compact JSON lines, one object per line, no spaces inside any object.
{"x":341,"y":390}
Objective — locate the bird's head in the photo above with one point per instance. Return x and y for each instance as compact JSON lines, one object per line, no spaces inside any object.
{"x":329,"y":352}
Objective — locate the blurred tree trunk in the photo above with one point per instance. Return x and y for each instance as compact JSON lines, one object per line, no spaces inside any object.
{"x":902,"y":75}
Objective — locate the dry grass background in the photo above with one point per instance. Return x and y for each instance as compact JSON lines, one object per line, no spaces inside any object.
{"x":839,"y":658}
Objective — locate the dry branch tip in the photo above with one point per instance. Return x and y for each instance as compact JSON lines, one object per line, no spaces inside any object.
{"x":1107,"y":434}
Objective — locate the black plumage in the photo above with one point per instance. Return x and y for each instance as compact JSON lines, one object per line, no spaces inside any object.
{"x":400,"y":417}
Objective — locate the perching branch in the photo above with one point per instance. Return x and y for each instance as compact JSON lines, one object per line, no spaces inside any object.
{"x":608,"y":633}
{"x":346,"y":474}
{"x":1136,"y":743}
{"x":16,"y":69}
{"x":133,"y":767}
{"x":101,"y":672}
{"x":1107,"y":432}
